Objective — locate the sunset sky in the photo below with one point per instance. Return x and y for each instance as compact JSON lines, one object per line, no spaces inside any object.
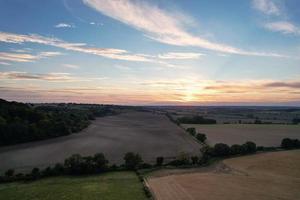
{"x":155,"y":52}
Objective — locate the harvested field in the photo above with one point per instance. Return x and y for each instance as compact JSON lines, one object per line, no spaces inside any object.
{"x":265,"y":176}
{"x":149,"y":134}
{"x":261,"y":134}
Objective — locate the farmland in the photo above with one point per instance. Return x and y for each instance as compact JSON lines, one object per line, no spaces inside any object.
{"x":109,"y":186}
{"x":148,"y":134}
{"x":265,"y":176}
{"x":261,"y":134}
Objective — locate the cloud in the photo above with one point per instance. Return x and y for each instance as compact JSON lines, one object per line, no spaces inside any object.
{"x":267,"y":7}
{"x":118,"y":54}
{"x":284,"y":27}
{"x":25,"y":57}
{"x":253,"y":86}
{"x":180,"y":55}
{"x":47,"y":54}
{"x":64,"y":25}
{"x":72,"y":66}
{"x":187,"y":91}
{"x":16,"y":57}
{"x":4,"y":63}
{"x":52,"y":77}
{"x":281,"y":84}
{"x":161,"y":25}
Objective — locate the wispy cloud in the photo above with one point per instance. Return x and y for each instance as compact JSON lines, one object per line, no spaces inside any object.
{"x":16,"y":57}
{"x":72,"y":66}
{"x":118,"y":54}
{"x":54,"y":77}
{"x":25,"y":57}
{"x":162,"y":26}
{"x":284,"y":84}
{"x":4,"y":63}
{"x":278,"y":16}
{"x":180,"y":55}
{"x":284,"y":27}
{"x":254,"y":86}
{"x":64,"y":25}
{"x":267,"y":7}
{"x":180,"y":91}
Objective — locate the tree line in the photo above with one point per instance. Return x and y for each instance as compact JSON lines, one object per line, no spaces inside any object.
{"x":195,"y":120}
{"x":21,"y":122}
{"x":80,"y":165}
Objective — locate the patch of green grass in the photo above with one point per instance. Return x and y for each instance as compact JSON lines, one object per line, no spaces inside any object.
{"x":109,"y":186}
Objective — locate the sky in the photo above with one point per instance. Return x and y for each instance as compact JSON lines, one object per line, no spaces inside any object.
{"x":155,"y":52}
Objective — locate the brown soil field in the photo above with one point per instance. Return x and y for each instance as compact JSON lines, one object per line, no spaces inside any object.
{"x":149,"y":134}
{"x":265,"y":176}
{"x":261,"y":134}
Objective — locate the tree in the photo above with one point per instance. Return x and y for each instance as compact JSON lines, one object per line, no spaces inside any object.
{"x":191,"y":131}
{"x":248,"y":147}
{"x":206,"y":152}
{"x":74,"y":164}
{"x":9,"y":172}
{"x":201,"y":137}
{"x":132,"y":160}
{"x":221,"y":149}
{"x":183,"y":158}
{"x":47,"y":171}
{"x":159,"y":161}
{"x":296,"y":121}
{"x":100,"y":161}
{"x":195,"y":160}
{"x":87,"y":165}
{"x":235,"y":149}
{"x":35,"y":173}
{"x":58,"y":169}
{"x":288,"y":143}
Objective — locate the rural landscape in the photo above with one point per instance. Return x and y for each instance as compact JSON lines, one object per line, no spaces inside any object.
{"x":149,"y":100}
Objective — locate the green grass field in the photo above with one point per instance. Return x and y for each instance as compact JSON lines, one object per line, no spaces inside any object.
{"x":109,"y":186}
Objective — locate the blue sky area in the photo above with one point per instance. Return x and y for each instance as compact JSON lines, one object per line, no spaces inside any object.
{"x":158,"y":52}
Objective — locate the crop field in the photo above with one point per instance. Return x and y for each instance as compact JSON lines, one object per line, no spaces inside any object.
{"x":261,"y":134}
{"x":148,"y":134}
{"x":265,"y":176}
{"x":109,"y":186}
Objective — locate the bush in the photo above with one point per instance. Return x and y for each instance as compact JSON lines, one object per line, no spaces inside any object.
{"x":9,"y":173}
{"x":201,"y":137}
{"x":221,"y":149}
{"x":58,"y":169}
{"x":47,"y":172}
{"x":248,"y":147}
{"x":35,"y":173}
{"x":206,"y":153}
{"x":73,"y":164}
{"x":146,"y":166}
{"x":288,"y":143}
{"x":235,"y":149}
{"x":100,"y":162}
{"x":260,"y":148}
{"x":195,"y":160}
{"x":147,"y":191}
{"x":191,"y":131}
{"x":132,"y":161}
{"x":182,"y":159}
{"x":159,"y":161}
